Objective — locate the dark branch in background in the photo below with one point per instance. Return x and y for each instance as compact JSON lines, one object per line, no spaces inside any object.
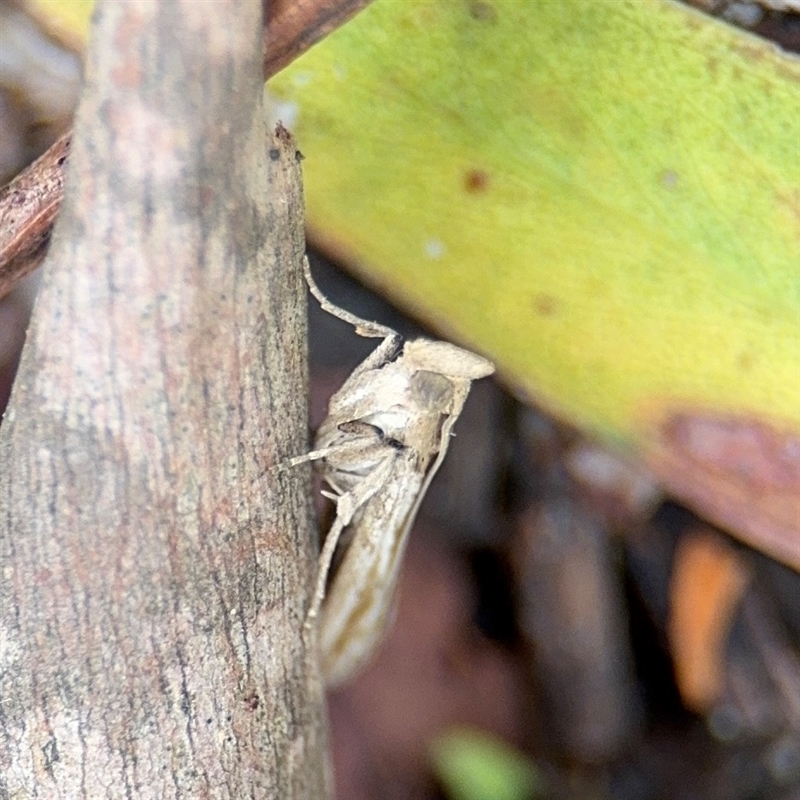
{"x":30,"y":203}
{"x":28,"y":208}
{"x":292,"y":26}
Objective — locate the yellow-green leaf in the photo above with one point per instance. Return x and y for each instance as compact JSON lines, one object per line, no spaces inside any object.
{"x":602,"y":196}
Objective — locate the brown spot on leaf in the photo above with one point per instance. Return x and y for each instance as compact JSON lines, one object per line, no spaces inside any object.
{"x":476,"y":181}
{"x":752,"y":52}
{"x":546,"y":305}
{"x":791,"y":204}
{"x":741,"y":472}
{"x":745,"y":362}
{"x":482,"y":11}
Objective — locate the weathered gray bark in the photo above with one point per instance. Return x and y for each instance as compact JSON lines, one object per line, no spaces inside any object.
{"x":30,"y":203}
{"x":154,"y":571}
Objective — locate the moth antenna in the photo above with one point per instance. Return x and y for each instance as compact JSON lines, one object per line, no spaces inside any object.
{"x":371,"y":330}
{"x":386,"y":350}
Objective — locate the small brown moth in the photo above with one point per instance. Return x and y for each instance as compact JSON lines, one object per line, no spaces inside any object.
{"x":385,"y":436}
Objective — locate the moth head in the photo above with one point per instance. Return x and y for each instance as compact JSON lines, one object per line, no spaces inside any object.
{"x":446,"y":359}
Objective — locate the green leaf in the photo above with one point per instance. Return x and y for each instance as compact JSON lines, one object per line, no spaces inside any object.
{"x":473,"y":765}
{"x":602,"y":196}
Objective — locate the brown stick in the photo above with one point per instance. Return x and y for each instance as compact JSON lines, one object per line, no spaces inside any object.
{"x":295,"y":25}
{"x":30,"y":203}
{"x":28,"y":208}
{"x":155,"y":571}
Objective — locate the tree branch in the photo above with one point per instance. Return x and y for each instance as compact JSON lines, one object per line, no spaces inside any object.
{"x":30,"y":203}
{"x":155,"y":571}
{"x":295,"y":25}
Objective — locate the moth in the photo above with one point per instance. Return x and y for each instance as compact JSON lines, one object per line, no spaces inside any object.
{"x":383,"y":440}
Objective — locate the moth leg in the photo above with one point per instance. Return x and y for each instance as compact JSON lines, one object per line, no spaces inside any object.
{"x":316,"y":455}
{"x":323,"y":565}
{"x":346,"y":507}
{"x":384,"y":352}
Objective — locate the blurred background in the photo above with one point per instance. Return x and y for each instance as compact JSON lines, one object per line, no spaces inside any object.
{"x":564,"y":629}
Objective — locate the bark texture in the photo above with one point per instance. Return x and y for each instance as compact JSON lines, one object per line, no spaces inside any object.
{"x":155,"y":573}
{"x":30,"y":203}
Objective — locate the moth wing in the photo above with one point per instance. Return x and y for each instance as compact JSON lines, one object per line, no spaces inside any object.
{"x":357,"y":608}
